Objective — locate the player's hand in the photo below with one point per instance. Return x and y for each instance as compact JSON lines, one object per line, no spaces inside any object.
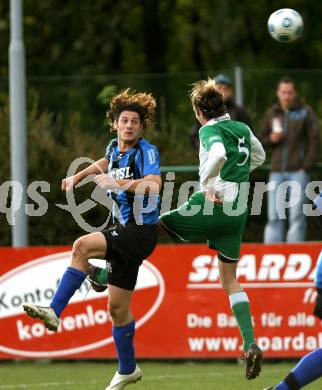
{"x":318,"y":304}
{"x":276,"y":137}
{"x":68,"y":183}
{"x":213,"y":196}
{"x":106,"y":182}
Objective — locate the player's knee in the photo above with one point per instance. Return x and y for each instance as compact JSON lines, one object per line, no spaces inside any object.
{"x":117,"y":312}
{"x":228,"y":283}
{"x":80,"y":249}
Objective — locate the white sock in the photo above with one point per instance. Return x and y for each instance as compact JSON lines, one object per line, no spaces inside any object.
{"x":238,"y":298}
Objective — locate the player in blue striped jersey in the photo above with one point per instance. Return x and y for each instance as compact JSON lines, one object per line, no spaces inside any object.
{"x":130,"y":172}
{"x":139,"y":161}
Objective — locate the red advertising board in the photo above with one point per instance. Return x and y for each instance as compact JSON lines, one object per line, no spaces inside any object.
{"x":181,"y":311}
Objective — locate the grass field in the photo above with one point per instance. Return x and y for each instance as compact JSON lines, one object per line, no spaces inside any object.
{"x":156,"y":376}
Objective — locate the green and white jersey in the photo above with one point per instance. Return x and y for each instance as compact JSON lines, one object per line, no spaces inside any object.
{"x":239,"y":150}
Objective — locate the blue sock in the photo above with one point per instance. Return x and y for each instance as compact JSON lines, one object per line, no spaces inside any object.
{"x":69,"y":283}
{"x":307,"y":370}
{"x":282,"y":386}
{"x":123,"y":338}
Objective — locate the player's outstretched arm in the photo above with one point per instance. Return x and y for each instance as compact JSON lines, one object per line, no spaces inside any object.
{"x":98,"y":166}
{"x":149,"y":184}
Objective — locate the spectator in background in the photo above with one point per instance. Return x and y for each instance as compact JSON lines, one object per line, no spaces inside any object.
{"x":291,"y":129}
{"x":236,"y":112}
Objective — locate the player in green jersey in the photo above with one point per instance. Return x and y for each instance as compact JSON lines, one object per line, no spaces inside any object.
{"x":229,"y":151}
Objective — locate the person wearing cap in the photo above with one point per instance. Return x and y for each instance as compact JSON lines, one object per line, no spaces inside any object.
{"x":236,"y":112}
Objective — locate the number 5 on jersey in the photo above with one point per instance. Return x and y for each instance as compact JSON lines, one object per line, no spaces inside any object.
{"x":242,"y":149}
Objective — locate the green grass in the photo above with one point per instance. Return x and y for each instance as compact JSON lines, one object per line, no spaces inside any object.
{"x":156,"y":376}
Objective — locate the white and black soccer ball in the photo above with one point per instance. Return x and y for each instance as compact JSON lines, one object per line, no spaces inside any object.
{"x":285,"y":25}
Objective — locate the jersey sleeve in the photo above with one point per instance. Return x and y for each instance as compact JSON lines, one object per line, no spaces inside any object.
{"x":215,"y":162}
{"x":257,"y":156}
{"x":208,"y":137}
{"x":149,"y":161}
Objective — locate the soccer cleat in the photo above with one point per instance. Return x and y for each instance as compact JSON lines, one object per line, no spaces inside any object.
{"x":120,"y":381}
{"x":92,"y":276}
{"x":270,"y":388}
{"x":46,"y":314}
{"x":253,"y":360}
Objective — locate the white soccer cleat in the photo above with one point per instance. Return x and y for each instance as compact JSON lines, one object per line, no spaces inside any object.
{"x":46,"y":314}
{"x":120,"y":381}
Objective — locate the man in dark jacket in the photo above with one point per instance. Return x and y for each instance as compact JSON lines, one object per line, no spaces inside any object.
{"x":291,"y":129}
{"x":236,"y":112}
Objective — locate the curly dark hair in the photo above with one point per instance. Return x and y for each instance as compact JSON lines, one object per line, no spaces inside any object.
{"x":142,"y":103}
{"x":206,"y":97}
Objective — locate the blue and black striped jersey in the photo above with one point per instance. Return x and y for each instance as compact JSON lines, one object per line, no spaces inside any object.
{"x":141,"y":160}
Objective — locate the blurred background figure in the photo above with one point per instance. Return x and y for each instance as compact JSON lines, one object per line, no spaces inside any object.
{"x":236,"y":112}
{"x":291,"y":130}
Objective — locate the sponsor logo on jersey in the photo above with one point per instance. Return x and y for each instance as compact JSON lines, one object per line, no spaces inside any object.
{"x":121,"y":173}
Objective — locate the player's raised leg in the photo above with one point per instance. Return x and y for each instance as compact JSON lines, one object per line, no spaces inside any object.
{"x":85,"y":247}
{"x":123,"y":331}
{"x":240,"y":306}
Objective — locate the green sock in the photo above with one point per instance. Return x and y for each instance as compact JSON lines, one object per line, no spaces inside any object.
{"x":101,"y":276}
{"x":242,"y":314}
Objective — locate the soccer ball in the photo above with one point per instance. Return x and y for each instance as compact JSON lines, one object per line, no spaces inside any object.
{"x":285,"y":25}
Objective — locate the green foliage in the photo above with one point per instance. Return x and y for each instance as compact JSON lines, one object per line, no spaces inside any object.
{"x":106,"y":94}
{"x":53,"y":143}
{"x":78,"y":53}
{"x":85,"y":38}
